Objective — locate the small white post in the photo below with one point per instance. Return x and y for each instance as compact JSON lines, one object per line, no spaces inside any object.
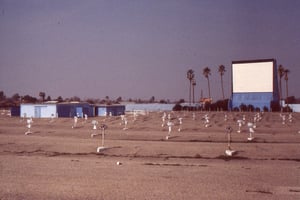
{"x":94,"y":123}
{"x":229,"y":151}
{"x":163,"y":119}
{"x":52,"y":118}
{"x":169,"y":124}
{"x":103,"y":128}
{"x":290,"y":118}
{"x":283,"y":119}
{"x":225,"y":117}
{"x":122,"y":119}
{"x":75,"y":122}
{"x":240,"y":122}
{"x":206,"y":122}
{"x":180,"y":124}
{"x":254,"y":121}
{"x":125,"y":123}
{"x":169,"y":116}
{"x":29,"y":122}
{"x":135,"y":114}
{"x":251,"y":131}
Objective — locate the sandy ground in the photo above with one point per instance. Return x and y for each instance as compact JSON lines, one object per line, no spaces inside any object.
{"x":58,"y":162}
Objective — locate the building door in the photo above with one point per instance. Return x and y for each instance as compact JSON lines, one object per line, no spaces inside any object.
{"x":86,"y":111}
{"x":79,"y":112}
{"x":37,"y":111}
{"x":101,"y":111}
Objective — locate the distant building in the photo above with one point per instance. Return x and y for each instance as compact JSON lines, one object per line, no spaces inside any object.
{"x":38,"y":110}
{"x":109,"y":110}
{"x":204,"y":101}
{"x":15,"y":111}
{"x":71,"y":109}
{"x":294,"y":106}
{"x":149,"y":107}
{"x":50,"y":109}
{"x":191,"y":106}
{"x":254,"y":82}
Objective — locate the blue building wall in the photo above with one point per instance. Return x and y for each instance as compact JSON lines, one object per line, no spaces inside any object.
{"x":38,"y":110}
{"x":105,"y":110}
{"x":74,"y":109}
{"x":15,"y":111}
{"x":258,"y":100}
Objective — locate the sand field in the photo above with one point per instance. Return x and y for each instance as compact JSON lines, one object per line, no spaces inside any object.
{"x":58,"y":162}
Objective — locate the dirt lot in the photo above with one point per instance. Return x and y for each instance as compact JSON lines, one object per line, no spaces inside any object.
{"x":58,"y":162}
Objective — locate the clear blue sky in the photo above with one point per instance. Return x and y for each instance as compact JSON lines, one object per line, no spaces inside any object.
{"x":140,"y":48}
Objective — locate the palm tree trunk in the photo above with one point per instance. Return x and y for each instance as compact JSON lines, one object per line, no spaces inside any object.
{"x":280,"y":89}
{"x":208,"y":87}
{"x":287,"y":91}
{"x":190,"y":91}
{"x":222,"y":85}
{"x":193,"y":94}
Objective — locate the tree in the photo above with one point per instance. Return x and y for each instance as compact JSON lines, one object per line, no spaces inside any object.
{"x":181,"y":101}
{"x":177,"y":107}
{"x":42,"y":95}
{"x":193,"y":84}
{"x":206,"y":73}
{"x":29,"y":99}
{"x":222,"y":71}
{"x":90,"y":101}
{"x":2,"y":96}
{"x":281,"y":74}
{"x":152,"y":99}
{"x":59,"y":99}
{"x":162,"y":101}
{"x":286,"y":78}
{"x":190,"y":76}
{"x":75,"y":98}
{"x":48,"y":98}
{"x":107,"y":100}
{"x":15,"y":97}
{"x":119,"y":99}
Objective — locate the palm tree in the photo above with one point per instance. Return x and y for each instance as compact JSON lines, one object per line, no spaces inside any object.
{"x":193,"y":84}
{"x":222,"y":71}
{"x":42,"y":95}
{"x":206,"y":73}
{"x":281,"y":74}
{"x":190,"y":76}
{"x":286,"y":78}
{"x":59,"y":99}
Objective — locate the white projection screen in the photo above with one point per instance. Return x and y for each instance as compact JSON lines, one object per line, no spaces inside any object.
{"x":252,"y":77}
